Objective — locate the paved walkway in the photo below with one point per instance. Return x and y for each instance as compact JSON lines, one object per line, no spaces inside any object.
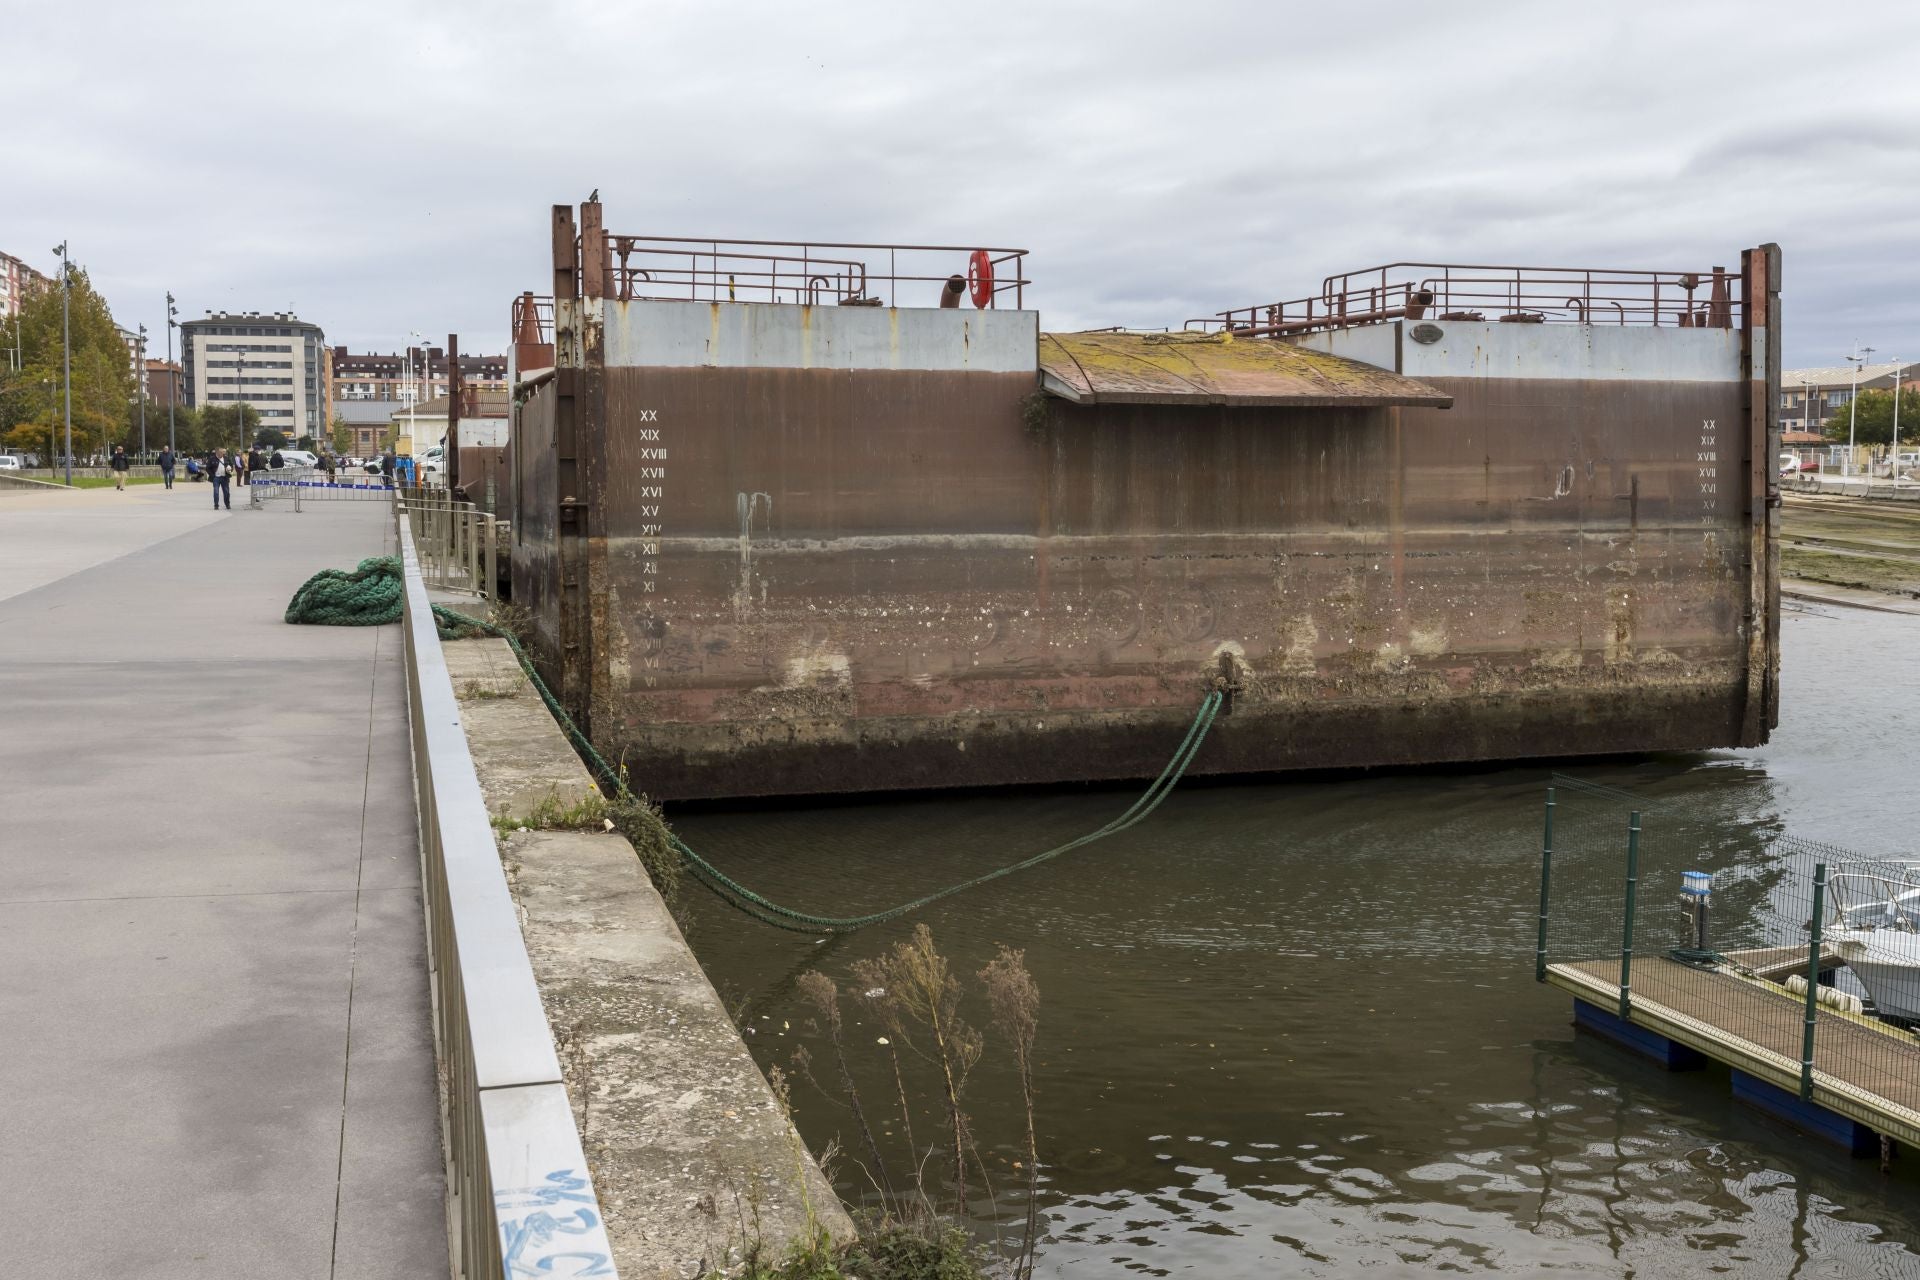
{"x":217,"y":1057}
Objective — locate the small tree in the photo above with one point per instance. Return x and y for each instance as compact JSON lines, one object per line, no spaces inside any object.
{"x":227,"y":426}
{"x":270,"y":438}
{"x":1872,"y":418}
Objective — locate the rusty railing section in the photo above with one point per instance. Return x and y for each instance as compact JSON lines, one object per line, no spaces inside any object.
{"x":809,"y":272}
{"x":1512,"y":295}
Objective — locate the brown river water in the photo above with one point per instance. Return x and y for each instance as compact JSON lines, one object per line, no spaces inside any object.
{"x":1290,"y":1027}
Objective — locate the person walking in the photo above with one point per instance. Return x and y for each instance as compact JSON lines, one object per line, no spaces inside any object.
{"x":328,"y":461}
{"x":166,"y":461}
{"x":119,"y":464}
{"x":386,"y":468}
{"x":220,"y":475}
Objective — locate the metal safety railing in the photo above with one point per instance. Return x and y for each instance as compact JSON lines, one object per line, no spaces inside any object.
{"x":839,"y":273}
{"x":531,"y":319}
{"x":520,"y":1196}
{"x":1512,"y":295}
{"x":1804,"y":955}
{"x":460,"y":544}
{"x":310,"y":484}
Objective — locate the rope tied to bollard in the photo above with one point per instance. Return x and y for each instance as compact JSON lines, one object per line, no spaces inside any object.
{"x":370,"y":595}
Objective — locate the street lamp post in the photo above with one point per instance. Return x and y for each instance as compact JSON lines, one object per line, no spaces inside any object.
{"x":1858,"y":361}
{"x":173,"y":387}
{"x":66,"y":348}
{"x":141,"y":345}
{"x":1893,"y":454}
{"x":239,"y":394}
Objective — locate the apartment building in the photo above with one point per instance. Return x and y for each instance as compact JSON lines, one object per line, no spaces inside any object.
{"x":1808,"y":397}
{"x":164,"y":383}
{"x":415,"y":375}
{"x":273,"y":361}
{"x":18,"y":282}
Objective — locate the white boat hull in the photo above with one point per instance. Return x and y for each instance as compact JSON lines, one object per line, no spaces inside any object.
{"x":1887,"y":963}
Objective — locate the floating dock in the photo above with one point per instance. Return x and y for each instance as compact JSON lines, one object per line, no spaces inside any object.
{"x":1867,"y":1088}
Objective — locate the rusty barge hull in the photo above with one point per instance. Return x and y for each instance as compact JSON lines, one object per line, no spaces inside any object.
{"x":754,"y":575}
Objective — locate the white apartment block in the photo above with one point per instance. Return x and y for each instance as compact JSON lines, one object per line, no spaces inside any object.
{"x":274,"y":361}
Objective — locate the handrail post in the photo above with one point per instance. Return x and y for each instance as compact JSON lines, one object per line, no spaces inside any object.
{"x":1813,"y":980}
{"x":1546,"y":882}
{"x":493,"y":553}
{"x":1626,"y":933}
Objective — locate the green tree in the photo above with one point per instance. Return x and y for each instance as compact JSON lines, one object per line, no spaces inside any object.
{"x":342,"y":436}
{"x":270,"y":438}
{"x":1873,"y":418}
{"x":186,"y":428}
{"x":103,"y":381}
{"x":30,"y":410}
{"x":219,"y":428}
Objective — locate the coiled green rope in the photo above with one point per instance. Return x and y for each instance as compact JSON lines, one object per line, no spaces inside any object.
{"x":359,"y":598}
{"x":365,"y":596}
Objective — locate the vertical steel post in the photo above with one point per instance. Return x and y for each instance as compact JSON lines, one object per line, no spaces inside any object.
{"x":1546,"y":883}
{"x":493,"y":553}
{"x":1813,"y":981}
{"x":1626,"y":931}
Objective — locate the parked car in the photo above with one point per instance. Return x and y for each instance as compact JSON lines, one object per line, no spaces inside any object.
{"x":10,"y":462}
{"x":299,"y":458}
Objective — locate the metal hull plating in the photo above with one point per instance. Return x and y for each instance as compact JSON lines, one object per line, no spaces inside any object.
{"x":818,"y":582}
{"x":782,"y":549}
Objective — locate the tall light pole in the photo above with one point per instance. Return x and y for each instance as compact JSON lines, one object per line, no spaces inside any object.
{"x":66,"y":349}
{"x":1858,"y":361}
{"x":1893,"y":454}
{"x":173,"y":386}
{"x":239,"y":394}
{"x":141,"y":344}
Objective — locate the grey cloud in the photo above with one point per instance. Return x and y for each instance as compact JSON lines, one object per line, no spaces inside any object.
{"x":394,"y":163}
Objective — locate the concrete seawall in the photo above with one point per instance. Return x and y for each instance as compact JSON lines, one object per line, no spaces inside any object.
{"x":693,"y":1156}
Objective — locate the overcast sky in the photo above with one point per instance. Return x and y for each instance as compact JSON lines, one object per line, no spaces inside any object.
{"x":387,"y":167}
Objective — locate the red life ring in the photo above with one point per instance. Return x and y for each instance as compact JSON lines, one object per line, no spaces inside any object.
{"x":980,"y":278}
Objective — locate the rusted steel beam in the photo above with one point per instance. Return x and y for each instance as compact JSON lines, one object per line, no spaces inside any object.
{"x":593,"y":252}
{"x":456,"y":390}
{"x":566,"y":279}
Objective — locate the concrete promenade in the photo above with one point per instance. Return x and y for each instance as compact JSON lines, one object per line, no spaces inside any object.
{"x":218,"y":1059}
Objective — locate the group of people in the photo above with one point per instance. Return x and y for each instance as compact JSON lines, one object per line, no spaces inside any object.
{"x":224,"y":472}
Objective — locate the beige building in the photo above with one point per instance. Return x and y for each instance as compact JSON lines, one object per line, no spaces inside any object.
{"x":1808,"y":397}
{"x":273,"y":361}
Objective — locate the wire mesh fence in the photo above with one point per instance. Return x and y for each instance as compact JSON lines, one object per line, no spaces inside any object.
{"x":1806,"y":953}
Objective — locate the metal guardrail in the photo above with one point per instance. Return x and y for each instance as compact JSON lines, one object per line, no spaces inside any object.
{"x":459,"y":543}
{"x":520,"y":1197}
{"x":1515,"y":295}
{"x":310,"y":484}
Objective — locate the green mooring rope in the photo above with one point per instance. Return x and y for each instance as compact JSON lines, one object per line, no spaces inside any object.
{"x":371,"y":594}
{"x":365,"y":596}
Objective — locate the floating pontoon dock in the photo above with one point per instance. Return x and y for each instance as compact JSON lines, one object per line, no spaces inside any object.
{"x":1872,"y":1071}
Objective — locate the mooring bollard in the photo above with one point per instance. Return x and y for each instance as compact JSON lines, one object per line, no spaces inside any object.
{"x":1813,"y":981}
